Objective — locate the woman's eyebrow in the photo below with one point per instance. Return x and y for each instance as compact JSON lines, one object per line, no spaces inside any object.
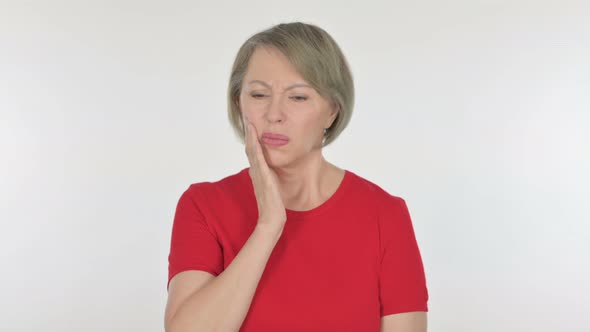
{"x":288,"y":88}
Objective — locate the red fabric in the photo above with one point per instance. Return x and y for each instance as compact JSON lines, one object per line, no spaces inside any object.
{"x":338,"y":267}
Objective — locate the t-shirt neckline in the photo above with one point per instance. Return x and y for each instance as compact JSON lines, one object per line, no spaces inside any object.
{"x":308,"y":214}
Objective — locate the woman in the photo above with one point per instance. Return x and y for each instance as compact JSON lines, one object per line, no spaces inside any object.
{"x":293,"y":242}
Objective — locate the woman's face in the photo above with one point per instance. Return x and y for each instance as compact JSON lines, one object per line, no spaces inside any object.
{"x":276,"y":100}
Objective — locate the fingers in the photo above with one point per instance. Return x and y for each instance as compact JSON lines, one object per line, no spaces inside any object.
{"x":250,"y":143}
{"x":253,"y":148}
{"x":256,"y":148}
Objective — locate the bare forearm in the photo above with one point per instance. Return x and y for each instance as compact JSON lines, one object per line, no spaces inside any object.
{"x":222,"y":303}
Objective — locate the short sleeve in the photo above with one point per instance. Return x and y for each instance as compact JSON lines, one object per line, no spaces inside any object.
{"x":192,"y":246}
{"x":402,"y":282}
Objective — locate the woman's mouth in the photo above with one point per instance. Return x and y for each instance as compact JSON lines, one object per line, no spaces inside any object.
{"x":274,"y":139}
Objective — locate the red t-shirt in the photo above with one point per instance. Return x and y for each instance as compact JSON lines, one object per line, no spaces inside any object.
{"x":338,"y":267}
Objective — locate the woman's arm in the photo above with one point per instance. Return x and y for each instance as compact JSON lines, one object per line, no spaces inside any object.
{"x":404,"y":322}
{"x":223,"y":302}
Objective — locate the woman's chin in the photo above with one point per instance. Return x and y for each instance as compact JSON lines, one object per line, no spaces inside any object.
{"x":277,"y":160}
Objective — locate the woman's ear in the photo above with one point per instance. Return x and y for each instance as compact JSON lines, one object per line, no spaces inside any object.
{"x":333,"y":114}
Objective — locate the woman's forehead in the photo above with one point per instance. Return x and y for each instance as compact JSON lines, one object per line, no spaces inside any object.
{"x":270,"y":85}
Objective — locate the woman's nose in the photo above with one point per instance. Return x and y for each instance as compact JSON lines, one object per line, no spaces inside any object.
{"x":274,"y":111}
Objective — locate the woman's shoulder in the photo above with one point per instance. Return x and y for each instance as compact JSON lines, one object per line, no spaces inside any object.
{"x":370,"y":188}
{"x":388,"y":206}
{"x":228,"y":183}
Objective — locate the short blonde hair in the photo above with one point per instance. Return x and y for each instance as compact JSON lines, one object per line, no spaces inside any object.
{"x":316,"y":57}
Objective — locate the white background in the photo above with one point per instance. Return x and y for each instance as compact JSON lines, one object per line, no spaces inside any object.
{"x":477,"y":113}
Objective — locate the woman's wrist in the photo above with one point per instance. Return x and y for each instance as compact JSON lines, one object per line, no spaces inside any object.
{"x":269,"y":231}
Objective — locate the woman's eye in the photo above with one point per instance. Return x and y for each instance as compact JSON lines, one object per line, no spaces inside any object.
{"x":296,"y":98}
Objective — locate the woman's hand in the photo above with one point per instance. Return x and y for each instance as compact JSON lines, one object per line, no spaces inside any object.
{"x":271,"y":210}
